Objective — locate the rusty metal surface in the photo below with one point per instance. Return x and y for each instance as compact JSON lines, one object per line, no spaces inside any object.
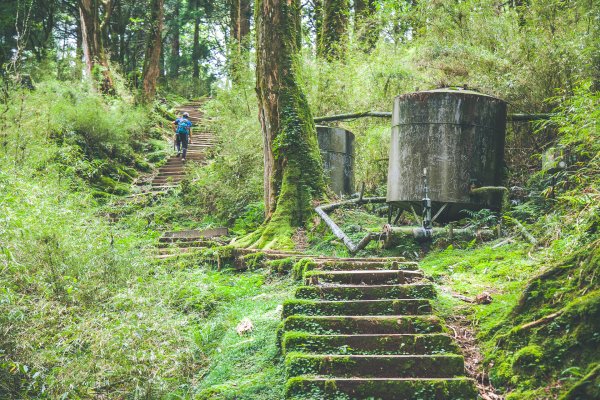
{"x":458,"y":136}
{"x":337,"y":152}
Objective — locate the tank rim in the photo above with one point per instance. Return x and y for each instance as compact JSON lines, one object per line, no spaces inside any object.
{"x":465,"y":92}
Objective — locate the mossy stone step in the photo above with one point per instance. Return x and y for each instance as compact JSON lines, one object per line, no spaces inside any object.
{"x":436,"y":343}
{"x":347,"y":325}
{"x":185,"y":240}
{"x":178,"y":250}
{"x":177,"y":244}
{"x":335,"y":265}
{"x":367,"y":292}
{"x":362,"y":276}
{"x":375,"y":366}
{"x":357,"y":307}
{"x":305,"y":388}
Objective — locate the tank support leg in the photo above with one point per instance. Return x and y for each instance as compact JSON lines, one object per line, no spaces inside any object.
{"x":398,"y":216}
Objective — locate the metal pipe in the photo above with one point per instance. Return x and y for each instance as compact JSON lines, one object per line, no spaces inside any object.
{"x":515,"y":117}
{"x":337,"y":231}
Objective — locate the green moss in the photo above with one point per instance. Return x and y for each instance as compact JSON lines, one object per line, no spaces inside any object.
{"x":253,"y":261}
{"x":431,"y":389}
{"x":334,"y":344}
{"x":528,"y":359}
{"x":281,"y":266}
{"x":301,"y":267}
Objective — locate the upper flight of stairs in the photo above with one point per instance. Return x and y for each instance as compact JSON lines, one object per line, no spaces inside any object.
{"x":173,"y":171}
{"x":365,"y":330}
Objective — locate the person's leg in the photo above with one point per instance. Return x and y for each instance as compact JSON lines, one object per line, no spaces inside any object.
{"x":184,"y":144}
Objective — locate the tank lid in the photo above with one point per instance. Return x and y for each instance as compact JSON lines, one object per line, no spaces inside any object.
{"x":448,"y":90}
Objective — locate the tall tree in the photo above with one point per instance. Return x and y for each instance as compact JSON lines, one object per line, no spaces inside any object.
{"x":318,"y":19}
{"x":240,"y":12}
{"x":334,"y":30}
{"x":92,"y":34}
{"x":152,"y":64}
{"x":293,"y":174}
{"x":175,"y":40}
{"x":196,"y":40}
{"x":365,"y":26}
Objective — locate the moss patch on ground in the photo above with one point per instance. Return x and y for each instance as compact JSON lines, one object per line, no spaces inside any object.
{"x":539,"y":336}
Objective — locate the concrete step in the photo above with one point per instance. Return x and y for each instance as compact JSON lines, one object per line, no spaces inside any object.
{"x":160,"y":181}
{"x":175,"y":178}
{"x":314,"y":387}
{"x":336,"y":265}
{"x":183,"y":244}
{"x":356,"y":307}
{"x":162,"y":188}
{"x":193,"y":234}
{"x":367,"y":292}
{"x":369,"y":344}
{"x":171,"y":172}
{"x":379,"y":277}
{"x":171,"y":176}
{"x":179,"y":250}
{"x":373,"y":324}
{"x":375,"y":366}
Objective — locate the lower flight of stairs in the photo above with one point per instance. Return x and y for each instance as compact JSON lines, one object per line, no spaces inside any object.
{"x":175,"y":244}
{"x":365,"y":330}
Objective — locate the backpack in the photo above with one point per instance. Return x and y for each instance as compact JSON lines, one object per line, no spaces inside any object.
{"x":183,"y":126}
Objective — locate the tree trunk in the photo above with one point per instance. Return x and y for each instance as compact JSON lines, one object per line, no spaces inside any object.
{"x":152,"y":68}
{"x":318,"y":20}
{"x":196,"y":45}
{"x":94,"y":55}
{"x":365,"y":26}
{"x":175,"y":44}
{"x":334,"y":32}
{"x":293,"y":174}
{"x":240,"y":12}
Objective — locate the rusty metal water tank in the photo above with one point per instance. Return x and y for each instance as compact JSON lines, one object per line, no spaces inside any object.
{"x":337,"y":152}
{"x":458,"y":136}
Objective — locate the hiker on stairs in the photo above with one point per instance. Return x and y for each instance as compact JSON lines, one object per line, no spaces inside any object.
{"x":183,"y":134}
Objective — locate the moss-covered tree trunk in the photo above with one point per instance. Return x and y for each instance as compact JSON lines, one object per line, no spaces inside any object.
{"x":333,"y":39}
{"x":293,"y":174}
{"x":366,"y":28}
{"x":151,"y":70}
{"x":318,"y":21}
{"x":94,"y":54}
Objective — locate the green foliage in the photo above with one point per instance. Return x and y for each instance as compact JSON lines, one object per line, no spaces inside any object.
{"x":230,"y":187}
{"x":86,"y":138}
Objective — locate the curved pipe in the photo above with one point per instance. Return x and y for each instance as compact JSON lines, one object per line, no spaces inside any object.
{"x":337,"y":231}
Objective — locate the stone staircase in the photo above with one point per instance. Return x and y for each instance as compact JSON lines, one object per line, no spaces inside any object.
{"x":365,"y":330}
{"x":173,"y":171}
{"x":180,"y":243}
